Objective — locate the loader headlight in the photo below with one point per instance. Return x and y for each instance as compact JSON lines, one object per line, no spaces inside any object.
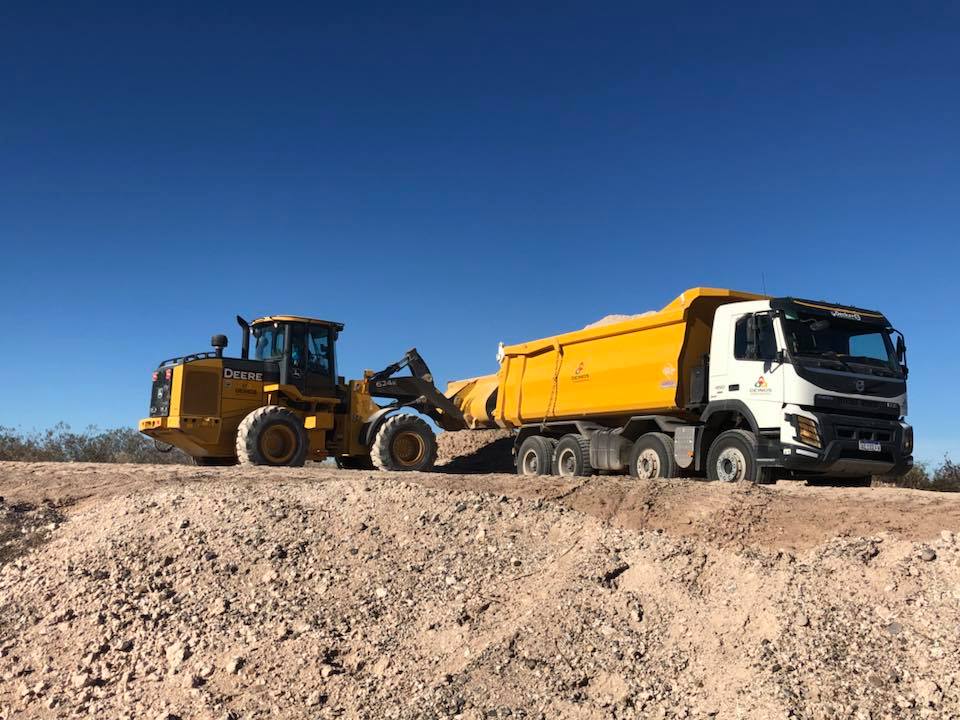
{"x":806,"y":429}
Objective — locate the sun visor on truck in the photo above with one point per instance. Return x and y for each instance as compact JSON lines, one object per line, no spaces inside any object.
{"x":841,"y":312}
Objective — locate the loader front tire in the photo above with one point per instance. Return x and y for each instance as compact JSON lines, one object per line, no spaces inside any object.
{"x":272,"y":435}
{"x":404,"y":443}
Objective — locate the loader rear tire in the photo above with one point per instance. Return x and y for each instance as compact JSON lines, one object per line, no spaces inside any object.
{"x":404,"y":443}
{"x":535,"y":456}
{"x":272,"y":435}
{"x":652,"y":457}
{"x":571,"y":457}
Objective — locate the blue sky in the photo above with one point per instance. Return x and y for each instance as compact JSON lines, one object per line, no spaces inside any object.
{"x":453,"y":175}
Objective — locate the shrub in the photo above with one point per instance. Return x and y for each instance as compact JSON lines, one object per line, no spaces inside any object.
{"x":61,"y":444}
{"x":945,"y":478}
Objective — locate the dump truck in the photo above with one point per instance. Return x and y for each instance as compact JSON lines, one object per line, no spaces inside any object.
{"x":287,"y":404}
{"x":733,"y":385}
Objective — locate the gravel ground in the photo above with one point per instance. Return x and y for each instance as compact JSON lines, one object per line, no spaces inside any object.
{"x":161,"y":592}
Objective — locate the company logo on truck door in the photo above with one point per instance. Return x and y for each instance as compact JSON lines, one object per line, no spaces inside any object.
{"x":761,"y":386}
{"x":242,"y":374}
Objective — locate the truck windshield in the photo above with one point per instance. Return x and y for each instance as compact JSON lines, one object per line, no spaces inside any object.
{"x":844,"y":341}
{"x":269,"y":342}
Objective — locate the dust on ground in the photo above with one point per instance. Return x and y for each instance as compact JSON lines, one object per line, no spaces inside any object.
{"x":219,"y":593}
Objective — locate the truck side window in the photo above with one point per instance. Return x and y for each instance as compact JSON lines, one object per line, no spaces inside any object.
{"x":766,"y":340}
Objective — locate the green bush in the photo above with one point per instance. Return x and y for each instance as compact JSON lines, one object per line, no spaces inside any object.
{"x":61,"y":444}
{"x":945,"y":478}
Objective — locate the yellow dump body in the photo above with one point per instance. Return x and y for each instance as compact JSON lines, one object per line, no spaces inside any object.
{"x":640,"y":365}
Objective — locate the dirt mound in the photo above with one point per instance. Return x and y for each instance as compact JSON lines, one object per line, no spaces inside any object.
{"x":475,"y":451}
{"x":216,"y":593}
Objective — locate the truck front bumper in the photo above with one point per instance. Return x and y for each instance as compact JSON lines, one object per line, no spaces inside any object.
{"x":850,"y":446}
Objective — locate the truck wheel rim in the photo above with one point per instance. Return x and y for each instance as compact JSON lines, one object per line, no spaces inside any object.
{"x":530,"y":463}
{"x":567,"y":463}
{"x":731,"y":465}
{"x":409,"y":448}
{"x":648,"y":464}
{"x":278,"y":443}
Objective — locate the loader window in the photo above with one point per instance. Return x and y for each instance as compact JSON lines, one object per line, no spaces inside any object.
{"x":269,"y":342}
{"x":318,"y":350}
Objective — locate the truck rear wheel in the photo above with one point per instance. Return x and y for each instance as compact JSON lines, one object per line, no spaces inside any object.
{"x":652,"y":457}
{"x":571,"y":457}
{"x":272,"y":435}
{"x":535,"y":456}
{"x":733,"y":457}
{"x":404,"y":443}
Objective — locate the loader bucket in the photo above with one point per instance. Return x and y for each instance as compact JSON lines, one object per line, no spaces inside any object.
{"x":477,"y":400}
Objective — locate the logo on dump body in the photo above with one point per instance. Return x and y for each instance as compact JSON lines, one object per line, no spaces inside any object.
{"x":579,"y":374}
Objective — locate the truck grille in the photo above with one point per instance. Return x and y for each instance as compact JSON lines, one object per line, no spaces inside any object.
{"x":850,"y":432}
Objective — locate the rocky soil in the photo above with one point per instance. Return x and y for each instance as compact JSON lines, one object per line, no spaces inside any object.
{"x":164,"y":592}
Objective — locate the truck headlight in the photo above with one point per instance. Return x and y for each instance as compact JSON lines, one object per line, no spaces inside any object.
{"x":908,"y":439}
{"x":807,"y":431}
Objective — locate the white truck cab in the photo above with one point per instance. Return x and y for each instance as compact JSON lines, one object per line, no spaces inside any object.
{"x":822,"y":388}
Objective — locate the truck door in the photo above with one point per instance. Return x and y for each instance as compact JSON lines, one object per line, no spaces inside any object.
{"x":754,"y":374}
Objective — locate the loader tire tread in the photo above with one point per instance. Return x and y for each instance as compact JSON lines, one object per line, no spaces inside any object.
{"x":252,"y":427}
{"x":382,"y":450}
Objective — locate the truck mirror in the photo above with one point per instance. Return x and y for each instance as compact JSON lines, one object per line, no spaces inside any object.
{"x":901,"y":349}
{"x":752,"y":338}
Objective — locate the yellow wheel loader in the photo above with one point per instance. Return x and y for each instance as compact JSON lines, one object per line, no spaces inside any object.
{"x":286,"y":404}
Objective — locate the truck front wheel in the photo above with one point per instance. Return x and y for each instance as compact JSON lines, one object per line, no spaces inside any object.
{"x":733,"y":457}
{"x":652,"y":457}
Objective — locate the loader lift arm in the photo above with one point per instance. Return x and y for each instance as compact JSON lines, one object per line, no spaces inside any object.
{"x":416,"y":391}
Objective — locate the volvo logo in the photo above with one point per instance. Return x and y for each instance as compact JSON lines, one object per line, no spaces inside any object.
{"x":861,"y":385}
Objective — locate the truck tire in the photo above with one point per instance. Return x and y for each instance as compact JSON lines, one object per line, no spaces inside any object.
{"x":733,"y":457}
{"x":404,"y":443}
{"x":535,"y":456}
{"x":272,"y":435}
{"x":571,"y":457}
{"x":206,"y":461}
{"x":354,"y":462}
{"x":652,"y":457}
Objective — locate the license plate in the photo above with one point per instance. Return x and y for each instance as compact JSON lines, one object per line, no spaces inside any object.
{"x":869,"y":446}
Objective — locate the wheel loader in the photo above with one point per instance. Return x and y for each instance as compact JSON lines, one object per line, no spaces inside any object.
{"x":286,"y":404}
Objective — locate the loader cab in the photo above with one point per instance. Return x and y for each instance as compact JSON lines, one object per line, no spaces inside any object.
{"x":302,"y":348}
